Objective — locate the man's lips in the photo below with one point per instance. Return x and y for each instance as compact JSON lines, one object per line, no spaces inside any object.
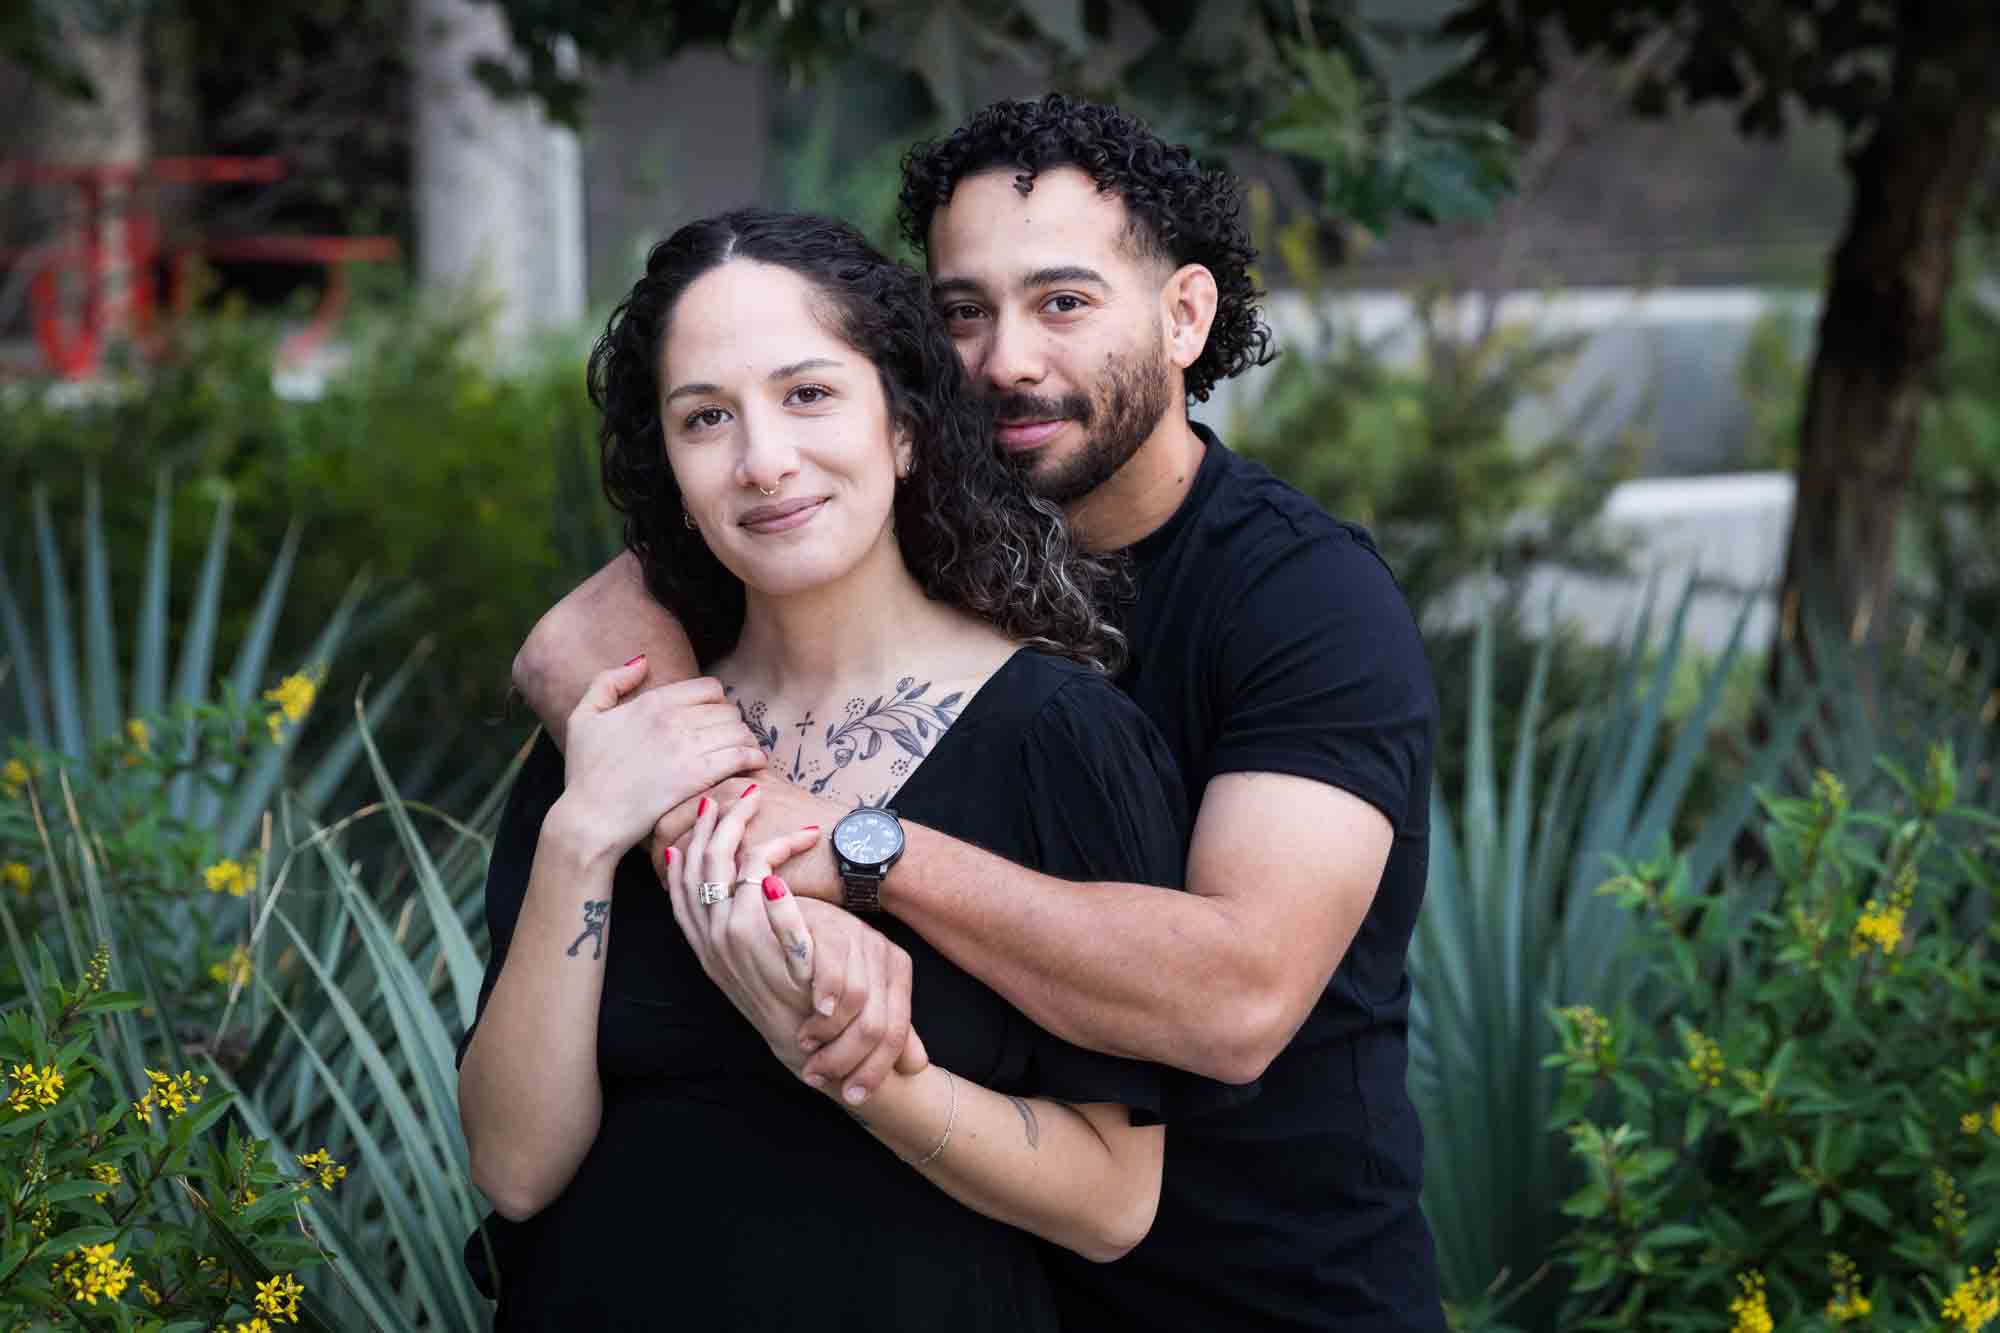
{"x":782,"y":516}
{"x":1026,"y":434}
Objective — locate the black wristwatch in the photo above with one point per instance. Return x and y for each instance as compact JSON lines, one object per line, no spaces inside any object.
{"x":866,"y":842}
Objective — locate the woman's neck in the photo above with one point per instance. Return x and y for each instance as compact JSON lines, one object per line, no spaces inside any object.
{"x":848,"y":635}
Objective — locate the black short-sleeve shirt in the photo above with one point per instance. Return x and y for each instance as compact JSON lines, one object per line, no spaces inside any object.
{"x":1269,"y":637}
{"x":722,"y":1194}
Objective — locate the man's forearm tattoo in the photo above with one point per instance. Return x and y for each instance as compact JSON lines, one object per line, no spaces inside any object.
{"x":1030,"y":1126}
{"x":594,"y":915}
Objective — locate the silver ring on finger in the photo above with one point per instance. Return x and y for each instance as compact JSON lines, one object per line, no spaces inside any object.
{"x":711,"y":891}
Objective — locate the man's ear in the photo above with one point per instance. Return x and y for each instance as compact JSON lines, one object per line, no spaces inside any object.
{"x":1187,"y":310}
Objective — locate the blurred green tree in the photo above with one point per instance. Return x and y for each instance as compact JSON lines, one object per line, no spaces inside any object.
{"x":1910,"y":83}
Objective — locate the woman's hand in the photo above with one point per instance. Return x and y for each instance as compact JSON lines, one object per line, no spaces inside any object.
{"x":632,"y":756}
{"x":753,"y":942}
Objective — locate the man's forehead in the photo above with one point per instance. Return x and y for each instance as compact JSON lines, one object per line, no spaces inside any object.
{"x":992,"y":232}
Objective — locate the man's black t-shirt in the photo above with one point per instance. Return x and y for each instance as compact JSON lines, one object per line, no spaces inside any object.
{"x":1268,"y":637}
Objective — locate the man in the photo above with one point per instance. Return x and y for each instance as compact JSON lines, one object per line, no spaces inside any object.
{"x":1095,"y":280}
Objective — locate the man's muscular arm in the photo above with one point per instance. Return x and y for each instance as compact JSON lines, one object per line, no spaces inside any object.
{"x":1214,"y":980}
{"x":606,"y":618}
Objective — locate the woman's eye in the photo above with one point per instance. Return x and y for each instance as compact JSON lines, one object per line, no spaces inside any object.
{"x":808,"y":394}
{"x":704,"y":418}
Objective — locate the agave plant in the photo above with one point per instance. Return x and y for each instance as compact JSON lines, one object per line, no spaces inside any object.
{"x":70,"y":700}
{"x":360,"y":1061}
{"x":1511,"y":929}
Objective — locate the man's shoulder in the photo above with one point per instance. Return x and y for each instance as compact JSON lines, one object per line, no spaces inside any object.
{"x":1257,"y":517}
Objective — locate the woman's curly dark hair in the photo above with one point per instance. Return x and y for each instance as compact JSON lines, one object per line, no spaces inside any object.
{"x":1180,"y":212}
{"x":969,"y":530}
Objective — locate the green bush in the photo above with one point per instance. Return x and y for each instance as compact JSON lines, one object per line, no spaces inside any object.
{"x":124,"y":1208}
{"x":1796,"y":1146}
{"x":467,"y":495}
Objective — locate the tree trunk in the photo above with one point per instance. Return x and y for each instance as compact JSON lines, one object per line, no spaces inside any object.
{"x":1882,"y":327}
{"x":497,"y":188}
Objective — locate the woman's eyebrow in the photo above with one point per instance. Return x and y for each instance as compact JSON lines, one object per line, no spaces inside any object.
{"x":781,"y":373}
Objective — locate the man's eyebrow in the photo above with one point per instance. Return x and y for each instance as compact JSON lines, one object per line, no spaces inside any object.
{"x":956,"y":287}
{"x":1060,"y":273}
{"x":781,"y":373}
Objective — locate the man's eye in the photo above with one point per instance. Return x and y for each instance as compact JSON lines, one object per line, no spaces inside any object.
{"x":958,"y":314}
{"x":704,"y":418}
{"x":1066,"y":305}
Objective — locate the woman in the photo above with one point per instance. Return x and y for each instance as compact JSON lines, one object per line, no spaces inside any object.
{"x":806,"y":482}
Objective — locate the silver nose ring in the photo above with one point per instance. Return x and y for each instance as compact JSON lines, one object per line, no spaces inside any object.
{"x":762,"y":491}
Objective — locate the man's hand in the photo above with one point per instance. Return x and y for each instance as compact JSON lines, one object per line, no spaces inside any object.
{"x":860,"y":1027}
{"x":781,"y":809}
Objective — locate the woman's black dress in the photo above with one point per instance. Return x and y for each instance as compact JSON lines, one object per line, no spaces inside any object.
{"x":720,"y":1192}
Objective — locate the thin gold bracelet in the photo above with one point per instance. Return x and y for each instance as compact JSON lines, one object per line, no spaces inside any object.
{"x":950,"y":1123}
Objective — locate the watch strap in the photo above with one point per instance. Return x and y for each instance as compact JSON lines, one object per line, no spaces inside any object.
{"x":860,"y":894}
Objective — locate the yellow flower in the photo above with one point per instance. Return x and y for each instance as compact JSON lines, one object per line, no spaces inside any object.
{"x":320,"y":1164}
{"x":1880,"y":926}
{"x":1948,"y":1213}
{"x":257,"y":1325}
{"x":91,"y":1272}
{"x":1975,"y":1302}
{"x":1705,"y":1060}
{"x":107,"y":1175}
{"x":1848,"y":1304}
{"x":279,"y":1298}
{"x":1753,"y":1315}
{"x":150,"y":1292}
{"x":172,"y":1095}
{"x":19,"y":875}
{"x":42,"y":1221}
{"x":236,"y":971}
{"x":139,"y":736}
{"x":1972,"y":1122}
{"x":1592,"y":1030}
{"x":35,"y":1087}
{"x":1994,"y":1118}
{"x":294,"y":697}
{"x":227,"y":876}
{"x":13,"y":777}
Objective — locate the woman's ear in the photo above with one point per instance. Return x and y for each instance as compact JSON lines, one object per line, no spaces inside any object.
{"x":906,"y":453}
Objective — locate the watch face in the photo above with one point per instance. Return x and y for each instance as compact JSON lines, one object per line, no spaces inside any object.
{"x":868,"y":837}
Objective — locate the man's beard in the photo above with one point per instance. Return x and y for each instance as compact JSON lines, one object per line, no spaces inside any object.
{"x":1133,"y":397}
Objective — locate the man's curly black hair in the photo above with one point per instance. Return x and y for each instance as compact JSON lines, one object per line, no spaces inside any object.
{"x":969,"y":530}
{"x":1178,"y":211}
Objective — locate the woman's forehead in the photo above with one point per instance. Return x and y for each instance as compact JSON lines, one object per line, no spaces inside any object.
{"x":747,"y":315}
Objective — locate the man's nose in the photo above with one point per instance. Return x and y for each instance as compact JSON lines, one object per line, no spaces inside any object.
{"x":1013,"y":356}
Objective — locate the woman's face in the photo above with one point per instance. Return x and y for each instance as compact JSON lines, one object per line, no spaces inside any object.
{"x":777,"y":431}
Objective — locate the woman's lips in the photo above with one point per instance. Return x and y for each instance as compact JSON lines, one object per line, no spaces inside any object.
{"x":783,"y":516}
{"x":1014,"y":435}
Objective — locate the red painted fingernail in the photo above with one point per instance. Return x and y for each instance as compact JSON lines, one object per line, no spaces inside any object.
{"x":774,"y":888}
{"x":747,"y":790}
{"x":810,"y":828}
{"x":638,"y":658}
{"x":701,"y":809}
{"x":667,"y":856}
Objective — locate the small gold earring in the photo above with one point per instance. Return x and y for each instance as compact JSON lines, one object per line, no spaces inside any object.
{"x":688,"y":519}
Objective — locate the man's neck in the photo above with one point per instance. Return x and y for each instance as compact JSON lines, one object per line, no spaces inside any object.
{"x":1141,"y":496}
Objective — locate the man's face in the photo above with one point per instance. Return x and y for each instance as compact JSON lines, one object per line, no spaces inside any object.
{"x":1057,"y":315}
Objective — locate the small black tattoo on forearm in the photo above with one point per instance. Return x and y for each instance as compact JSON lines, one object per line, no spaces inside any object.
{"x":1029,"y":1124}
{"x":594,"y":915}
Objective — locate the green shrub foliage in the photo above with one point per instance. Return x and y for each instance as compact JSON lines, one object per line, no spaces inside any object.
{"x":1796,"y":1124}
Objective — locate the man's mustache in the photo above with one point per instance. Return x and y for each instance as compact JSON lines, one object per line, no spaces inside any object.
{"x":1008,"y":408}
